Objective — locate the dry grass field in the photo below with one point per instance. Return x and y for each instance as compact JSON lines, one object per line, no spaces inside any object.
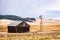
{"x":50,"y":32}
{"x":3,"y":28}
{"x":30,"y":36}
{"x":33,"y":28}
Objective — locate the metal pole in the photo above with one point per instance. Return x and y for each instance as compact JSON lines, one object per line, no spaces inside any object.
{"x":41,"y":24}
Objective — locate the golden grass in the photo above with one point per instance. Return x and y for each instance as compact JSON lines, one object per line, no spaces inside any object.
{"x":45,"y":27}
{"x":29,"y":36}
{"x":32,"y":36}
{"x":3,"y":28}
{"x":33,"y":28}
{"x":52,"y":27}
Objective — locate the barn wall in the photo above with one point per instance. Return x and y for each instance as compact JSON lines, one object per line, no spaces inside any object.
{"x":11,"y":29}
{"x":22,"y":29}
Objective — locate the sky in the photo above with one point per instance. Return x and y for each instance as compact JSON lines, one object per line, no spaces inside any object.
{"x":31,"y":8}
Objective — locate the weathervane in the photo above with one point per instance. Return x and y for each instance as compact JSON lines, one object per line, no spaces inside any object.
{"x":41,"y":23}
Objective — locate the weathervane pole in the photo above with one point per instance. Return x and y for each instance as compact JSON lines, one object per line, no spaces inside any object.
{"x":41,"y":24}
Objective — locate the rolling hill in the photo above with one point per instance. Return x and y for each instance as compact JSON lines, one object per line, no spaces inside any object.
{"x":13,"y":17}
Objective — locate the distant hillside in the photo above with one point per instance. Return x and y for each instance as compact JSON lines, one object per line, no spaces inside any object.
{"x":13,"y":17}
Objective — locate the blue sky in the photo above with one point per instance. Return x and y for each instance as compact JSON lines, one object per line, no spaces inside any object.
{"x":31,"y":8}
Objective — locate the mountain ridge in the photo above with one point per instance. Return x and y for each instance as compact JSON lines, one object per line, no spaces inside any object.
{"x":13,"y":17}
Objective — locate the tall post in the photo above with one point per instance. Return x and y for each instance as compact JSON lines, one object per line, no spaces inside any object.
{"x":41,"y":24}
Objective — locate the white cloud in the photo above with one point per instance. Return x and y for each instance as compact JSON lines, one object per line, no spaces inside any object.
{"x":31,"y":8}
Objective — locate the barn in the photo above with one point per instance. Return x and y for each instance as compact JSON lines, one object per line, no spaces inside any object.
{"x":18,"y":27}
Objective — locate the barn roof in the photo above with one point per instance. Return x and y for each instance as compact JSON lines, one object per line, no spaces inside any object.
{"x":15,"y":23}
